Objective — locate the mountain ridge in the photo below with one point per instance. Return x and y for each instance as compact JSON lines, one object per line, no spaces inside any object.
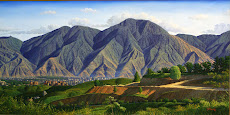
{"x":118,"y":51}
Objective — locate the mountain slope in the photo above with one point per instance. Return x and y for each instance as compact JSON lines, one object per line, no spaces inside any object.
{"x":221,"y":46}
{"x":12,"y":63}
{"x":119,"y":51}
{"x":193,"y":40}
{"x":135,"y":45}
{"x":39,"y":49}
{"x":52,"y":68}
{"x":66,"y":47}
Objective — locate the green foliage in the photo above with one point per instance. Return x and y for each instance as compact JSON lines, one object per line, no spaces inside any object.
{"x":159,"y":71}
{"x":197,"y":68}
{"x":123,"y":81}
{"x":149,"y":71}
{"x":136,"y":77}
{"x":175,"y":73}
{"x":166,"y":100}
{"x":140,"y":89}
{"x":113,"y":106}
{"x":189,"y":67}
{"x":219,"y":80}
{"x":221,"y":64}
{"x":115,"y":89}
{"x":97,"y":83}
{"x":10,"y":105}
{"x":165,"y":70}
{"x":206,"y":66}
{"x":174,"y":101}
{"x":187,"y":101}
{"x":157,"y":75}
{"x":182,"y":68}
{"x":73,"y":93}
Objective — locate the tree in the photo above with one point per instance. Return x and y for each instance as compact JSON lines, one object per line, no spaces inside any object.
{"x":97,"y":83}
{"x":175,"y":73}
{"x":136,"y":77}
{"x":216,"y":65}
{"x":149,"y":71}
{"x":197,"y":68}
{"x":140,"y":89}
{"x":115,"y":89}
{"x":182,"y":68}
{"x":226,"y":63}
{"x":189,"y":67}
{"x":222,"y":62}
{"x":207,"y":66}
{"x":113,"y":105}
{"x":165,"y":70}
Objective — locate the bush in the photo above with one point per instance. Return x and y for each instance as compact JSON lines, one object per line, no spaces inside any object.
{"x":175,"y":73}
{"x":149,"y":71}
{"x":136,"y":77}
{"x":189,"y":67}
{"x":166,"y":100}
{"x":115,"y":89}
{"x":97,"y":83}
{"x":174,"y":101}
{"x":187,"y":101}
{"x":165,"y":70}
{"x":140,"y":89}
{"x":182,"y":68}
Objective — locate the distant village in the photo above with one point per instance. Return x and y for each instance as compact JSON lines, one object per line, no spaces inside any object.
{"x":51,"y":82}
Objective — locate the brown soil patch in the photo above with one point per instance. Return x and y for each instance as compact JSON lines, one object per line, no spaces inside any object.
{"x":97,"y":94}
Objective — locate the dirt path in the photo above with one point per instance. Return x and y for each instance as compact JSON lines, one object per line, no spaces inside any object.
{"x":179,"y":85}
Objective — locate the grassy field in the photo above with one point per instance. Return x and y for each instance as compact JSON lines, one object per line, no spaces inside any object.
{"x":157,"y":75}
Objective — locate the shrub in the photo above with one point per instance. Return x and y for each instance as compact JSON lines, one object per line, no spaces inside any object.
{"x":115,"y":89}
{"x":187,"y":100}
{"x":189,"y":67}
{"x":174,"y":100}
{"x":140,"y":89}
{"x":166,"y":100}
{"x":137,"y":77}
{"x":165,"y":70}
{"x":149,"y":71}
{"x":175,"y":73}
{"x":60,"y":103}
{"x":97,"y":83}
{"x":182,"y":68}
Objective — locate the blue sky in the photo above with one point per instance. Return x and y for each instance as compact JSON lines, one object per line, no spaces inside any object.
{"x":28,"y":19}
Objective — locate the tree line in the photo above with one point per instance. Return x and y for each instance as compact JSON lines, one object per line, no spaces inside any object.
{"x":220,"y":64}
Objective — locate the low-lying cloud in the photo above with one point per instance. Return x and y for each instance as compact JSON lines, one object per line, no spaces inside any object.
{"x":218,"y":29}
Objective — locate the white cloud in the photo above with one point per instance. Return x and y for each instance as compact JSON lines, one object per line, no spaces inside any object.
{"x":199,"y":17}
{"x":172,"y":27}
{"x":228,"y":12}
{"x":41,"y":30}
{"x":87,"y":10}
{"x":169,"y":26}
{"x":218,"y":29}
{"x":113,"y":20}
{"x":6,"y":29}
{"x":48,"y":12}
{"x":79,"y":21}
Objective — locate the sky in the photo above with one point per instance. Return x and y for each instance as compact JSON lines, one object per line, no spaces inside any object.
{"x":25,"y":20}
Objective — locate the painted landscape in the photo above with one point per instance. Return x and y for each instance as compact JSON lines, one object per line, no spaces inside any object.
{"x":133,"y":64}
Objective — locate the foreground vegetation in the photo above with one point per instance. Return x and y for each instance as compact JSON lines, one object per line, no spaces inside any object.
{"x":10,"y":105}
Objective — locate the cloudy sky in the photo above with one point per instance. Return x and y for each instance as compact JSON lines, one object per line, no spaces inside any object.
{"x":24,"y":20}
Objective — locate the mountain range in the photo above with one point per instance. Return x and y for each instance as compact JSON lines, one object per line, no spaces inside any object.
{"x":118,"y":51}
